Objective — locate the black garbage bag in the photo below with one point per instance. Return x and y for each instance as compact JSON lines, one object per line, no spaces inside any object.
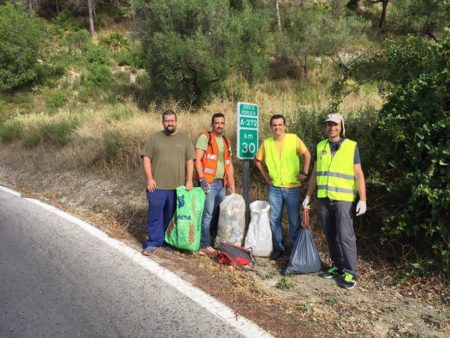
{"x":304,"y":256}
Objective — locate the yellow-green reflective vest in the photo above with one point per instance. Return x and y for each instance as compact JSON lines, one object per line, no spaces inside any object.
{"x":335,"y":174}
{"x":284,"y":169}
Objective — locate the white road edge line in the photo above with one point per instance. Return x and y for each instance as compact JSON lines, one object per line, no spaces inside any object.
{"x":9,"y":191}
{"x":244,"y":326}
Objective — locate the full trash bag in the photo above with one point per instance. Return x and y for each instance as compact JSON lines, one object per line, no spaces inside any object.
{"x":304,"y":256}
{"x":185,"y":229}
{"x":259,"y":233}
{"x":230,"y":228}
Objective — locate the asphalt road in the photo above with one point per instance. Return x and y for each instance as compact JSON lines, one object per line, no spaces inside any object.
{"x":56,"y":280}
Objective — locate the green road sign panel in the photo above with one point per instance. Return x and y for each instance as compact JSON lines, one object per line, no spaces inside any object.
{"x":247,"y":130}
{"x":248,"y":141}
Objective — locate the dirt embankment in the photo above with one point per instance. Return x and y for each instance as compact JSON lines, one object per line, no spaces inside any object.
{"x":287,"y":306}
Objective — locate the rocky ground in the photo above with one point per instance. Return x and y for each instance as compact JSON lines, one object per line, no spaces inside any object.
{"x":287,"y":306}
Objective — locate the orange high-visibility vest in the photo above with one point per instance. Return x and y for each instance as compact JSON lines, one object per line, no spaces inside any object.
{"x":211,"y":157}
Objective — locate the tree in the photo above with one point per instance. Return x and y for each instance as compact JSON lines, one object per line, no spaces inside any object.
{"x":91,"y":17}
{"x":382,"y":22}
{"x":313,"y":30}
{"x":22,"y":37}
{"x":353,"y":4}
{"x":427,"y":18}
{"x":277,"y":12}
{"x":190,"y":47}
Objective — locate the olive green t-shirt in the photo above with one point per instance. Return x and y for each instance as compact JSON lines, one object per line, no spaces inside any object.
{"x":168,"y":155}
{"x":202,"y":143}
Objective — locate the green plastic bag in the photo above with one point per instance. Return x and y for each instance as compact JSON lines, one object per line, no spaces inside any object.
{"x":185,"y":229}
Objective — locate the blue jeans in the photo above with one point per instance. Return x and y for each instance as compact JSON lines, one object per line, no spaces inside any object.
{"x":213,"y":199}
{"x":278,"y":197}
{"x":161,"y":208}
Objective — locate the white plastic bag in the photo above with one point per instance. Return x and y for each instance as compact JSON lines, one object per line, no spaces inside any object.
{"x":230,"y":228}
{"x":259,"y":234}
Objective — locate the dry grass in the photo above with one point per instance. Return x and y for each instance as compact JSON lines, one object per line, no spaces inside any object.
{"x":98,"y":123}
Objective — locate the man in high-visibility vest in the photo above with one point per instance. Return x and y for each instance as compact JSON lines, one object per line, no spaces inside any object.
{"x":281,"y":153}
{"x":214,"y":169}
{"x":339,"y":177}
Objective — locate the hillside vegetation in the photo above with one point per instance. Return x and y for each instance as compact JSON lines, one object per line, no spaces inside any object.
{"x":90,"y":94}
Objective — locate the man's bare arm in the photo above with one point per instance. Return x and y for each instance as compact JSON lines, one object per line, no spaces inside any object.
{"x":147,"y":165}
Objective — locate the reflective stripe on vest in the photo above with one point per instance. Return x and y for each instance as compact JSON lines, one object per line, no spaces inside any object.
{"x":335,"y":174}
{"x":283,"y":169}
{"x":211,"y":157}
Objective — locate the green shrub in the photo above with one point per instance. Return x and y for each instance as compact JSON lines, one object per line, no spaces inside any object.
{"x":97,"y":76}
{"x":66,"y":22}
{"x":2,"y":108}
{"x":96,"y":54}
{"x":56,"y":99}
{"x":32,"y":138}
{"x":58,"y":133}
{"x":23,"y":98}
{"x":115,"y":41}
{"x":410,"y":153}
{"x":103,"y":20}
{"x":11,"y":130}
{"x":129,"y":57}
{"x":113,"y":143}
{"x":86,"y":93}
{"x":284,"y":284}
{"x":119,"y":113}
{"x":53,"y":70}
{"x":77,"y":40}
{"x":22,"y":36}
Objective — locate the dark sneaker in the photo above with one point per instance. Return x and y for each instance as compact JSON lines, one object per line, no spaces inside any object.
{"x":275,"y":255}
{"x":332,"y":273}
{"x":348,"y":281}
{"x":148,"y":250}
{"x":167,"y":248}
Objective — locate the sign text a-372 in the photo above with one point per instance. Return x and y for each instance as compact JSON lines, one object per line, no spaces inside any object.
{"x":247,"y":130}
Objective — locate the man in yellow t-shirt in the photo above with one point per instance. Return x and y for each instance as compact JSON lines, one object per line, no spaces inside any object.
{"x":281,"y":154}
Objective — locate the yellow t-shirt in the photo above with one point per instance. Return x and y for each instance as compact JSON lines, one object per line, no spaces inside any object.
{"x":301,"y":149}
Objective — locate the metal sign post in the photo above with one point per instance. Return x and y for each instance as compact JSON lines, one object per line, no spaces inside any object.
{"x":247,"y":144}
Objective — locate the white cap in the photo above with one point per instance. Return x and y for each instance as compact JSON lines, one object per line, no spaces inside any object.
{"x":337,"y":118}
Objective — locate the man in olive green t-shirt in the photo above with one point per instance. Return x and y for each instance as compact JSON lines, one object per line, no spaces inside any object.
{"x":168,"y":161}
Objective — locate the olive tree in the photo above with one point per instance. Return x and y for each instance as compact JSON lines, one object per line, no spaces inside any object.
{"x":320,"y":31}
{"x":191,"y":47}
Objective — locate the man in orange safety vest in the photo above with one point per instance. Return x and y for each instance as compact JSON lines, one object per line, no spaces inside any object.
{"x":215,"y":170}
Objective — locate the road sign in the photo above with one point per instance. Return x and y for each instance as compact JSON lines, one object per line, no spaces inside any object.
{"x":247,"y":130}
